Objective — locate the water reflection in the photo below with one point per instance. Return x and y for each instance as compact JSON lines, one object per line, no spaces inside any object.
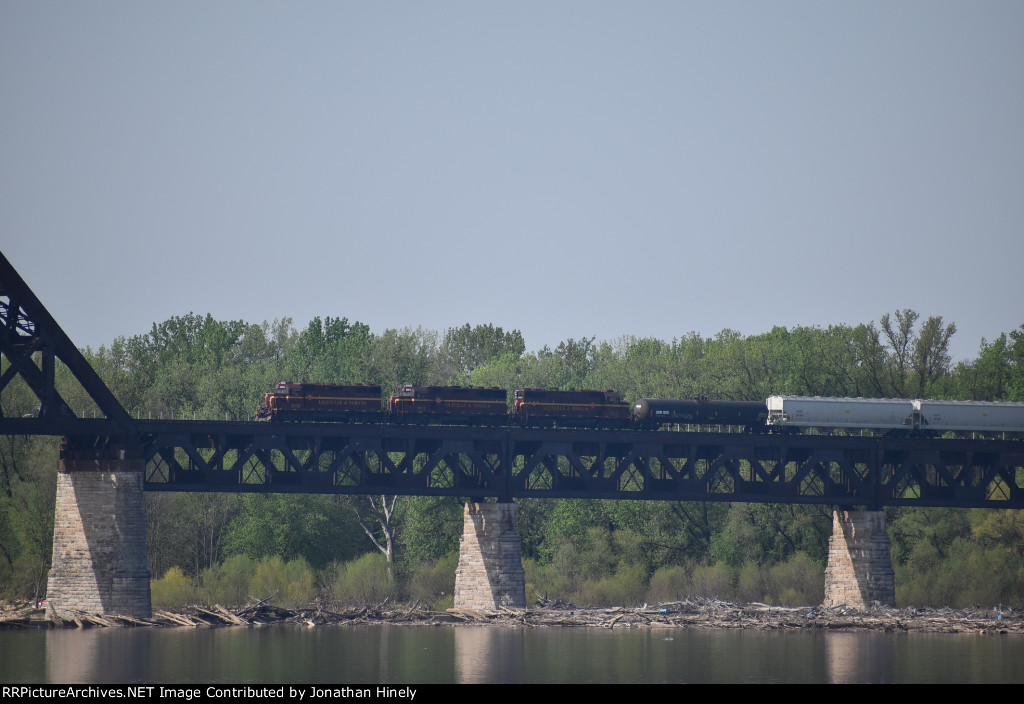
{"x":401,"y":655}
{"x":72,"y":656}
{"x":484,"y":654}
{"x":860,"y":657}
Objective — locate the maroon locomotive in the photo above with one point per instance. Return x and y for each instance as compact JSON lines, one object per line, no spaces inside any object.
{"x":599,"y":409}
{"x":337,"y":402}
{"x":473,"y":405}
{"x":456,"y":405}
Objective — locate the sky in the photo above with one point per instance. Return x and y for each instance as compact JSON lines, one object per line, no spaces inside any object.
{"x":565,"y":168}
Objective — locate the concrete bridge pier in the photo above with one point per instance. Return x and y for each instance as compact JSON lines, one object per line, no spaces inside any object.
{"x":859,"y":572}
{"x":99,"y":533}
{"x":490,"y":573}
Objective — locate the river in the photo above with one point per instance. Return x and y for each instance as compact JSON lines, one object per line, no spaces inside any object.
{"x":421,"y":654}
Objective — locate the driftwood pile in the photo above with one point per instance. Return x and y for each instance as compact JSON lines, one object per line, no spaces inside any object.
{"x":695,"y":613}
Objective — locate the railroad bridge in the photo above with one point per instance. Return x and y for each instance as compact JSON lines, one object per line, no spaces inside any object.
{"x":99,"y":561}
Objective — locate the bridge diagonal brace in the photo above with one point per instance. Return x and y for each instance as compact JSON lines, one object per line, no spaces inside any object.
{"x":814,"y":466}
{"x":766,"y":474}
{"x":716,"y":473}
{"x":241,"y":462}
{"x":40,"y":381}
{"x":623,"y":465}
{"x":943,"y":470}
{"x":196,"y":458}
{"x":167,"y":456}
{"x":531,"y":463}
{"x":336,"y":468}
{"x":26,"y":324}
{"x":434,"y":460}
{"x":17,"y":363}
{"x":577,"y":468}
{"x":291,"y":460}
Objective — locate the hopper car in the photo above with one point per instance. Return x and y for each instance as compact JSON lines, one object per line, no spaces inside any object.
{"x":797,"y":412}
{"x":895,"y":415}
{"x":968,"y":416}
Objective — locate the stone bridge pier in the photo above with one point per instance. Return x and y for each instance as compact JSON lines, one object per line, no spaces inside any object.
{"x":99,"y":533}
{"x":859,"y":572}
{"x":490,"y":573}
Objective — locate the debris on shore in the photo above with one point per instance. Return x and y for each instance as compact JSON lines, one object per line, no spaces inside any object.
{"x":689,"y":613}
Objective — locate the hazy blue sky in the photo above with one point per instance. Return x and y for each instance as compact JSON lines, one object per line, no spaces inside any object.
{"x":565,"y":168}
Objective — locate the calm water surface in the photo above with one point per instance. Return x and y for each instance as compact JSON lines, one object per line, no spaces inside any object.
{"x":399,"y":655}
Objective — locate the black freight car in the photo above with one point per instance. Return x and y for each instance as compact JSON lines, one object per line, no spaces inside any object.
{"x":652,"y":412}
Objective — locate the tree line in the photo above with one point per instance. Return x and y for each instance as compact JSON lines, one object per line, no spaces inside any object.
{"x":575,"y":550}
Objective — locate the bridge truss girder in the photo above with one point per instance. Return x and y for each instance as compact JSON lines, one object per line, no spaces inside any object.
{"x":341,"y":459}
{"x":31,"y":341}
{"x":512,"y":463}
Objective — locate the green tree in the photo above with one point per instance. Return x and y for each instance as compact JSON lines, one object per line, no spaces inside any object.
{"x":577,"y":358}
{"x":318,"y":528}
{"x":996,"y":375}
{"x":430,"y":528}
{"x":330,"y":351}
{"x":375,"y":514}
{"x":28,"y":485}
{"x":899,"y":334}
{"x":930,"y":359}
{"x":398,"y":357}
{"x":468,"y":348}
{"x":915,"y":359}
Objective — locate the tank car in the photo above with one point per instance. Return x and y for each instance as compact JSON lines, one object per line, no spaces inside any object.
{"x":334,"y":402}
{"x":652,"y":412}
{"x":473,"y":405}
{"x":587,"y":408}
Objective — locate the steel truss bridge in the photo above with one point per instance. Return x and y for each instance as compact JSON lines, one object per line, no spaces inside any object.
{"x":481,"y":463}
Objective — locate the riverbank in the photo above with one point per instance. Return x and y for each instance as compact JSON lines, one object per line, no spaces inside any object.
{"x":697,"y":613}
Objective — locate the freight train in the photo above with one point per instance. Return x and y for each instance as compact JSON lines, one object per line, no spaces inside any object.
{"x":458,"y":405}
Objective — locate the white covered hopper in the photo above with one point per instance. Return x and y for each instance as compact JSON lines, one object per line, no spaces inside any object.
{"x":812,"y":411}
{"x":970,"y":415}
